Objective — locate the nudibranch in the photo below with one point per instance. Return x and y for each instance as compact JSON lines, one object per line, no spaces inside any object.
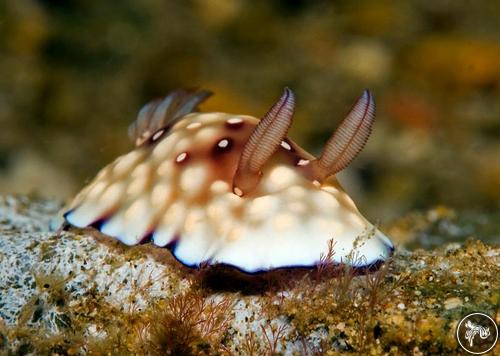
{"x":223,"y":189}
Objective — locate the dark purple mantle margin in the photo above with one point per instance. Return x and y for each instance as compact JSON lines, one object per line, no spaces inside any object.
{"x":358,"y":270}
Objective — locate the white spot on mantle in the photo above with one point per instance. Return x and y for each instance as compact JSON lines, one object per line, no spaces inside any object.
{"x":157,"y":135}
{"x":223,"y":143}
{"x":285,"y":145}
{"x":234,"y":120}
{"x":181,"y":157}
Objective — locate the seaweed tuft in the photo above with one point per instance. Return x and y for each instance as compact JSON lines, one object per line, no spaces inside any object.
{"x":189,"y":324}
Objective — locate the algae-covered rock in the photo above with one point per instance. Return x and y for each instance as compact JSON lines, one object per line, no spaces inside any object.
{"x":79,"y":292}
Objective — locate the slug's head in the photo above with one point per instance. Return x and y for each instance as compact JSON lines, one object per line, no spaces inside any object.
{"x":232,"y":189}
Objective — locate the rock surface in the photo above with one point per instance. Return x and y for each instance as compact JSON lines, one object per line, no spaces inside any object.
{"x":79,"y":292}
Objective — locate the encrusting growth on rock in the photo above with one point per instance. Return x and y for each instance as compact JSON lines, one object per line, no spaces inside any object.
{"x":70,"y":295}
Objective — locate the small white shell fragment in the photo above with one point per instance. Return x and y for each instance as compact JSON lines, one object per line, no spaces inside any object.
{"x":452,"y":303}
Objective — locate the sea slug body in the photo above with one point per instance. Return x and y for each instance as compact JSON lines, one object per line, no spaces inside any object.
{"x":218,"y":188}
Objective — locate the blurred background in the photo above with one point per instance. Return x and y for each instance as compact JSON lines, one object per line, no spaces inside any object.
{"x":73,"y":75}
